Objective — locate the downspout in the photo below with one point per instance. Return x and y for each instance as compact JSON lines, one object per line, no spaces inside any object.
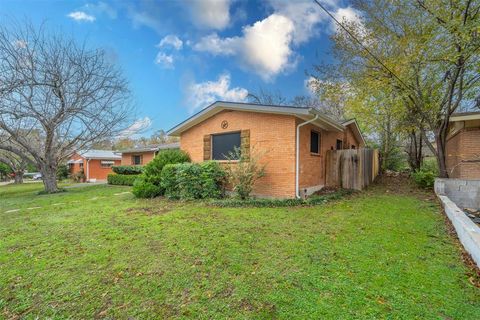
{"x":297,"y":158}
{"x":88,"y":170}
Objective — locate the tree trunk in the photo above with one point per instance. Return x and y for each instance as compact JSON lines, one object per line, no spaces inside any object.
{"x":18,"y":177}
{"x":49,"y":176}
{"x":414,"y":151}
{"x":441,"y":156}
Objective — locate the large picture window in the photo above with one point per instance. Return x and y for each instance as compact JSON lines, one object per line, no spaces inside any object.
{"x":223,"y":144}
{"x":314,"y":142}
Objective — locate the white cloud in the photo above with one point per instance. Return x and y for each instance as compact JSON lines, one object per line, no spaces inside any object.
{"x":217,"y":46}
{"x":347,"y":14}
{"x":81,"y":16}
{"x":210,"y":14}
{"x":264,"y":46}
{"x":164,"y":60}
{"x":200,"y":95}
{"x":139,"y":126}
{"x":171,"y":41}
{"x":101,"y":8}
{"x":309,"y":84}
{"x":305,"y":15}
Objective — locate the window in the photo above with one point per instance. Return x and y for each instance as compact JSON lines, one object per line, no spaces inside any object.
{"x":339,"y":144}
{"x":81,"y":165}
{"x":223,"y":144}
{"x":353,"y":146}
{"x":137,"y":159}
{"x":107,"y":164}
{"x":314,"y":142}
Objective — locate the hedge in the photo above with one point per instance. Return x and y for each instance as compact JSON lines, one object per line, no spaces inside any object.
{"x":271,"y":203}
{"x":122,"y":179}
{"x":189,"y":181}
{"x":127,"y":169}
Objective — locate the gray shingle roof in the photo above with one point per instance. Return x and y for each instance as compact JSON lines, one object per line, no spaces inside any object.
{"x":100,"y":154}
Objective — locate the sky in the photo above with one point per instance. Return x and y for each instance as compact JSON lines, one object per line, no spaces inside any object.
{"x":180,"y":56}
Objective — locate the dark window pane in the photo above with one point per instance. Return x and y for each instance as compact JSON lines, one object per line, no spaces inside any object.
{"x":223,"y":144}
{"x":339,"y":144}
{"x":314,"y":142}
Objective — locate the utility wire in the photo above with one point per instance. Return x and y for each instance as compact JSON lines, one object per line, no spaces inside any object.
{"x":361,"y":44}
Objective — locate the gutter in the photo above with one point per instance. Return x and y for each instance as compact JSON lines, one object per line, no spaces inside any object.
{"x":88,"y":170}
{"x":297,"y":158}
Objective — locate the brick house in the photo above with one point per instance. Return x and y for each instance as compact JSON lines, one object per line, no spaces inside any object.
{"x":95,"y":164}
{"x":143,"y":155}
{"x":463,"y":146}
{"x":280,"y":134}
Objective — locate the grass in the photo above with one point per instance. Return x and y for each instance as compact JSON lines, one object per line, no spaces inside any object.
{"x":101,"y":253}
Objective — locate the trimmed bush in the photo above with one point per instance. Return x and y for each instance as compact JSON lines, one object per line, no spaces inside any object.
{"x":149,"y":185}
{"x":62,"y":172}
{"x":127,"y":169}
{"x":272,"y":203}
{"x":122,"y":179}
{"x":145,"y":189}
{"x":169,"y":181}
{"x":189,"y":181}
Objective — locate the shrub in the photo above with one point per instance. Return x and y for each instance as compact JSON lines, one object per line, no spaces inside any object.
{"x":149,"y":184}
{"x":78,"y":176}
{"x":169,"y":181}
{"x":272,"y":203}
{"x":122,"y":179}
{"x":243,"y":171}
{"x":145,"y":189}
{"x":62,"y":172}
{"x":127,"y":169}
{"x":153,"y":170}
{"x":189,"y":181}
{"x":425,"y":177}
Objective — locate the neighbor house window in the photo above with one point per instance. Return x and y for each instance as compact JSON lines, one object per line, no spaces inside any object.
{"x":314,"y":142}
{"x":224,"y":144}
{"x":137,"y":159}
{"x":107,"y":164}
{"x":81,"y":165}
{"x":353,"y":146}
{"x":339,"y":144}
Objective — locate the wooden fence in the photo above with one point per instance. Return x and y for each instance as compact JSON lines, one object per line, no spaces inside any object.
{"x":352,"y":168}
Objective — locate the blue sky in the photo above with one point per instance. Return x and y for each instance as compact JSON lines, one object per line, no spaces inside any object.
{"x":179,"y":56}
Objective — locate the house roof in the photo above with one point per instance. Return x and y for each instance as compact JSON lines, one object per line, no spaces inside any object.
{"x":464,"y":116}
{"x":153,"y":148}
{"x":99,"y":154}
{"x":304,"y":113}
{"x":358,"y":133}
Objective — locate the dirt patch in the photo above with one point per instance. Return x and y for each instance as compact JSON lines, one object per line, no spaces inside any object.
{"x":326,"y":190}
{"x":149,"y":211}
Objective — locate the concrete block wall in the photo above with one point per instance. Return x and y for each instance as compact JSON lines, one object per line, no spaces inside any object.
{"x":465,"y":193}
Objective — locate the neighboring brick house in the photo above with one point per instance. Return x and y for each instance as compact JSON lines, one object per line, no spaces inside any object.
{"x":463,"y":146}
{"x":95,"y":164}
{"x":143,"y":155}
{"x":272,"y":132}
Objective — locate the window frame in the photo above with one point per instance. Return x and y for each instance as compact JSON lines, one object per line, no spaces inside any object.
{"x":140,"y":156}
{"x":107,"y":164}
{"x":319,"y":142}
{"x":337,"y":143}
{"x":212,"y":148}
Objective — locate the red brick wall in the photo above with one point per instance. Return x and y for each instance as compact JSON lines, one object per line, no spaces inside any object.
{"x":312,"y":166}
{"x":127,"y":157}
{"x":273,"y":136}
{"x":464,"y":145}
{"x":96,"y":171}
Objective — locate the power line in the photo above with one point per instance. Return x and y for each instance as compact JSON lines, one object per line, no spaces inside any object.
{"x":360,"y":43}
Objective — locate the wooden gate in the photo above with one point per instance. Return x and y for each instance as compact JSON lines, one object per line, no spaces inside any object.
{"x":352,"y":168}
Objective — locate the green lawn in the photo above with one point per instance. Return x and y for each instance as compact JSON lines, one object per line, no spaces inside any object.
{"x":98,"y":252}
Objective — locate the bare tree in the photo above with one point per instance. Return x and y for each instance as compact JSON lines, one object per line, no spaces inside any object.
{"x":16,"y":163}
{"x":56,"y":96}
